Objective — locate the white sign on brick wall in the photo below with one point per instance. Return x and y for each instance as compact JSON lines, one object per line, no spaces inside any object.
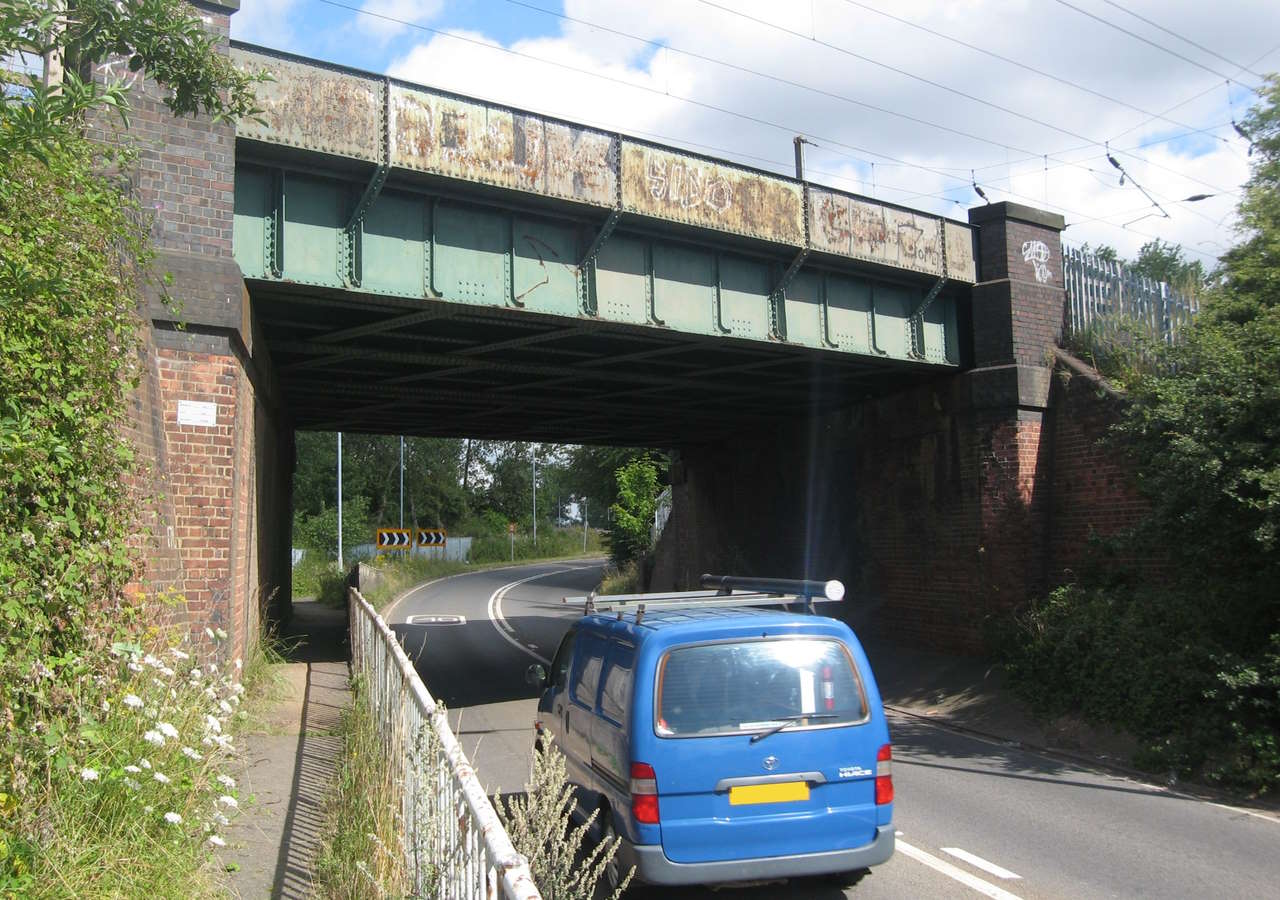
{"x":197,"y":412}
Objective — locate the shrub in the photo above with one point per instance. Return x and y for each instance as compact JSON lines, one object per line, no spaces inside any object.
{"x":631,"y":538}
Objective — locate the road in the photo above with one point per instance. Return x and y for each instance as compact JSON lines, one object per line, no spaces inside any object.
{"x":974,"y":818}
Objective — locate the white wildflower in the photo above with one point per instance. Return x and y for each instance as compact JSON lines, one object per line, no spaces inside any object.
{"x":178,"y":654}
{"x":211,"y":693}
{"x":133,"y":701}
{"x":152,"y":661}
{"x":222,"y":741}
{"x":221,"y":819}
{"x":238,"y":688}
{"x":167,"y":672}
{"x":225,"y":706}
{"x":145,"y":763}
{"x":161,"y":777}
{"x":192,"y":753}
{"x":196,"y":674}
{"x":133,"y":769}
{"x":134,"y":667}
{"x":213,"y":667}
{"x":173,"y":818}
{"x":154,"y":737}
{"x":221,"y":635}
{"x":148,"y":809}
{"x":88,"y":774}
{"x":215,"y":841}
{"x":227,"y":782}
{"x":131,"y":784}
{"x":206,"y":741}
{"x":235,"y":699}
{"x":208,"y":632}
{"x":238,"y":663}
{"x":167,"y":730}
{"x":228,"y":801}
{"x":106,"y":706}
{"x":212,"y":724}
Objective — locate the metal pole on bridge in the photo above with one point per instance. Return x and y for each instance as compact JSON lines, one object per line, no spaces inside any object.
{"x":340,"y":565}
{"x":402,"y":481}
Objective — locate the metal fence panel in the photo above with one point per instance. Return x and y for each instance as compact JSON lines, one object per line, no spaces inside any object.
{"x":455,"y":846}
{"x":1101,"y":293}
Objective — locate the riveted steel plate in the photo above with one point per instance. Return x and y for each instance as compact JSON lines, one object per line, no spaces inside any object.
{"x":678,"y":187}
{"x":313,"y":107}
{"x":488,"y":144}
{"x":866,"y":230}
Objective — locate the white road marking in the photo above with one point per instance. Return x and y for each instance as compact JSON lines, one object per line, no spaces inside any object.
{"x":980,"y":863}
{"x":1247,"y":812}
{"x":503,"y":627}
{"x":986,"y":888}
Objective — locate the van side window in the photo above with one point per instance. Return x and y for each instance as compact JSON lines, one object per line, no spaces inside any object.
{"x":615,"y":701}
{"x":560,"y":665}
{"x":586,"y":679}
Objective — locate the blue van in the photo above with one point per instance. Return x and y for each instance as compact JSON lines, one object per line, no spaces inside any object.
{"x":721,"y":741}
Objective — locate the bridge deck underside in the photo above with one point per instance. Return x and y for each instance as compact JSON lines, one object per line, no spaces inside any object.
{"x":381,"y":364}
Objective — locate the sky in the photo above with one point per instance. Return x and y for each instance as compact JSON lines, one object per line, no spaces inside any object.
{"x":908,"y":101}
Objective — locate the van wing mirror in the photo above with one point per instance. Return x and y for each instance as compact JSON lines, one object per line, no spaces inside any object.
{"x":536,"y":675}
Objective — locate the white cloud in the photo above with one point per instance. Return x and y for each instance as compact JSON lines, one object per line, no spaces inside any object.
{"x":265,"y":22}
{"x":384,"y":19}
{"x":1016,"y":118}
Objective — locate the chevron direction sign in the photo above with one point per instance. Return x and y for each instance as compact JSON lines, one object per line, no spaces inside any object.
{"x":432,"y":537}
{"x":394,"y":539}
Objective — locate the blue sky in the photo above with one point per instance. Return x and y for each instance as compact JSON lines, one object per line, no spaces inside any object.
{"x":897,"y":105}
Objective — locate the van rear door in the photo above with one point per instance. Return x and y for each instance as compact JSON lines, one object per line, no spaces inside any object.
{"x":767,"y":748}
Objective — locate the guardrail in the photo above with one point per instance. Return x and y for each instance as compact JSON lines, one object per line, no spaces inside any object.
{"x":455,"y":845}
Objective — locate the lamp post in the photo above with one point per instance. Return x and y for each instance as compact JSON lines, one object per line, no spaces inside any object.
{"x":340,"y":565}
{"x":535,"y":498}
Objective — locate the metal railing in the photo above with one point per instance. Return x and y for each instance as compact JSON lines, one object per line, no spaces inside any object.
{"x":455,"y":845}
{"x":1102,"y":294}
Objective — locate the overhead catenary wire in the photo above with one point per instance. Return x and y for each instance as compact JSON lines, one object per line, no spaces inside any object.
{"x":1181,"y":37}
{"x":1138,"y":37}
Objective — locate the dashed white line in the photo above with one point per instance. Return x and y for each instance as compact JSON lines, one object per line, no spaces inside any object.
{"x":986,"y":888}
{"x":980,"y":863}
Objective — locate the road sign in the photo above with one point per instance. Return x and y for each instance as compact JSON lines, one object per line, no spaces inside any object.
{"x":394,"y":539}
{"x":511,"y":528}
{"x":432,"y":537}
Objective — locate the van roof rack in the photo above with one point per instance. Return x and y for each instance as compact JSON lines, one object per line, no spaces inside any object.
{"x":729,"y":590}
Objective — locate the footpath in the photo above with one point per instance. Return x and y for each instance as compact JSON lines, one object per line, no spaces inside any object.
{"x":290,"y":762}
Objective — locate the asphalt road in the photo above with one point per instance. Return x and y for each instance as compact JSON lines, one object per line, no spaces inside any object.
{"x":973,"y":817}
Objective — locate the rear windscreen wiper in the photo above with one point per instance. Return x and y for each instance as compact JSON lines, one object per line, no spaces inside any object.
{"x":787,"y":720}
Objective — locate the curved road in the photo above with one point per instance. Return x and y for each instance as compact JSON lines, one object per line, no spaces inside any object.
{"x":975,"y":818}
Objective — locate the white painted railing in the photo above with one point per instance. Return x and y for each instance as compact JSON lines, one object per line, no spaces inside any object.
{"x":455,"y":846}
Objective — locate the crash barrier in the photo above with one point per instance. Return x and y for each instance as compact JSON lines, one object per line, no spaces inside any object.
{"x":455,"y":846}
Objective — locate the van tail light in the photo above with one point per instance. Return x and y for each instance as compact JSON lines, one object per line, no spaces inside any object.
{"x":884,"y":775}
{"x":644,"y":793}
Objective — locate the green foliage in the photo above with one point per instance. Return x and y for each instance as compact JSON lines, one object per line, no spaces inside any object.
{"x":565,"y":864}
{"x":164,"y":37}
{"x":625,"y":580}
{"x":1165,"y":262}
{"x":136,"y":795}
{"x":638,"y":489}
{"x":68,"y":258}
{"x":1190,"y":661}
{"x":319,"y":532}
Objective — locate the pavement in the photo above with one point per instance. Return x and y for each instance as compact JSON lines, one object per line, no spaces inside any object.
{"x":289,"y":761}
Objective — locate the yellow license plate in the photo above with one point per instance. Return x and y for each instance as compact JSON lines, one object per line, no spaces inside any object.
{"x":782,"y":792}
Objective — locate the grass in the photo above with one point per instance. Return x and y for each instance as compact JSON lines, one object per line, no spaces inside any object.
{"x":361,"y":852}
{"x":621,"y":581}
{"x":137,"y":797}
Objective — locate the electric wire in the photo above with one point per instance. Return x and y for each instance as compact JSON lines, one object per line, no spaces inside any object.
{"x":1183,"y":38}
{"x":1026,"y":67}
{"x":1138,"y":37}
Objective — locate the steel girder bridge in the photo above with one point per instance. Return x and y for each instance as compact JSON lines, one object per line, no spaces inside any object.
{"x":425,"y":263}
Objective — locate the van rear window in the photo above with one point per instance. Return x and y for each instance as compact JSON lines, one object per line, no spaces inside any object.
{"x":747,"y":686}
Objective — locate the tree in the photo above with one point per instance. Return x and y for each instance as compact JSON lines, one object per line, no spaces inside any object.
{"x":1165,"y":262}
{"x":633,"y":511}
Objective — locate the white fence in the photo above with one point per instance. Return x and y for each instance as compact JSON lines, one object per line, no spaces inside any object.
{"x":455,"y":846}
{"x":1102,"y":294}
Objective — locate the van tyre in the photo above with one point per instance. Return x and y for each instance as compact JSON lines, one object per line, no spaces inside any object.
{"x":846,"y":879}
{"x":613,"y":871}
